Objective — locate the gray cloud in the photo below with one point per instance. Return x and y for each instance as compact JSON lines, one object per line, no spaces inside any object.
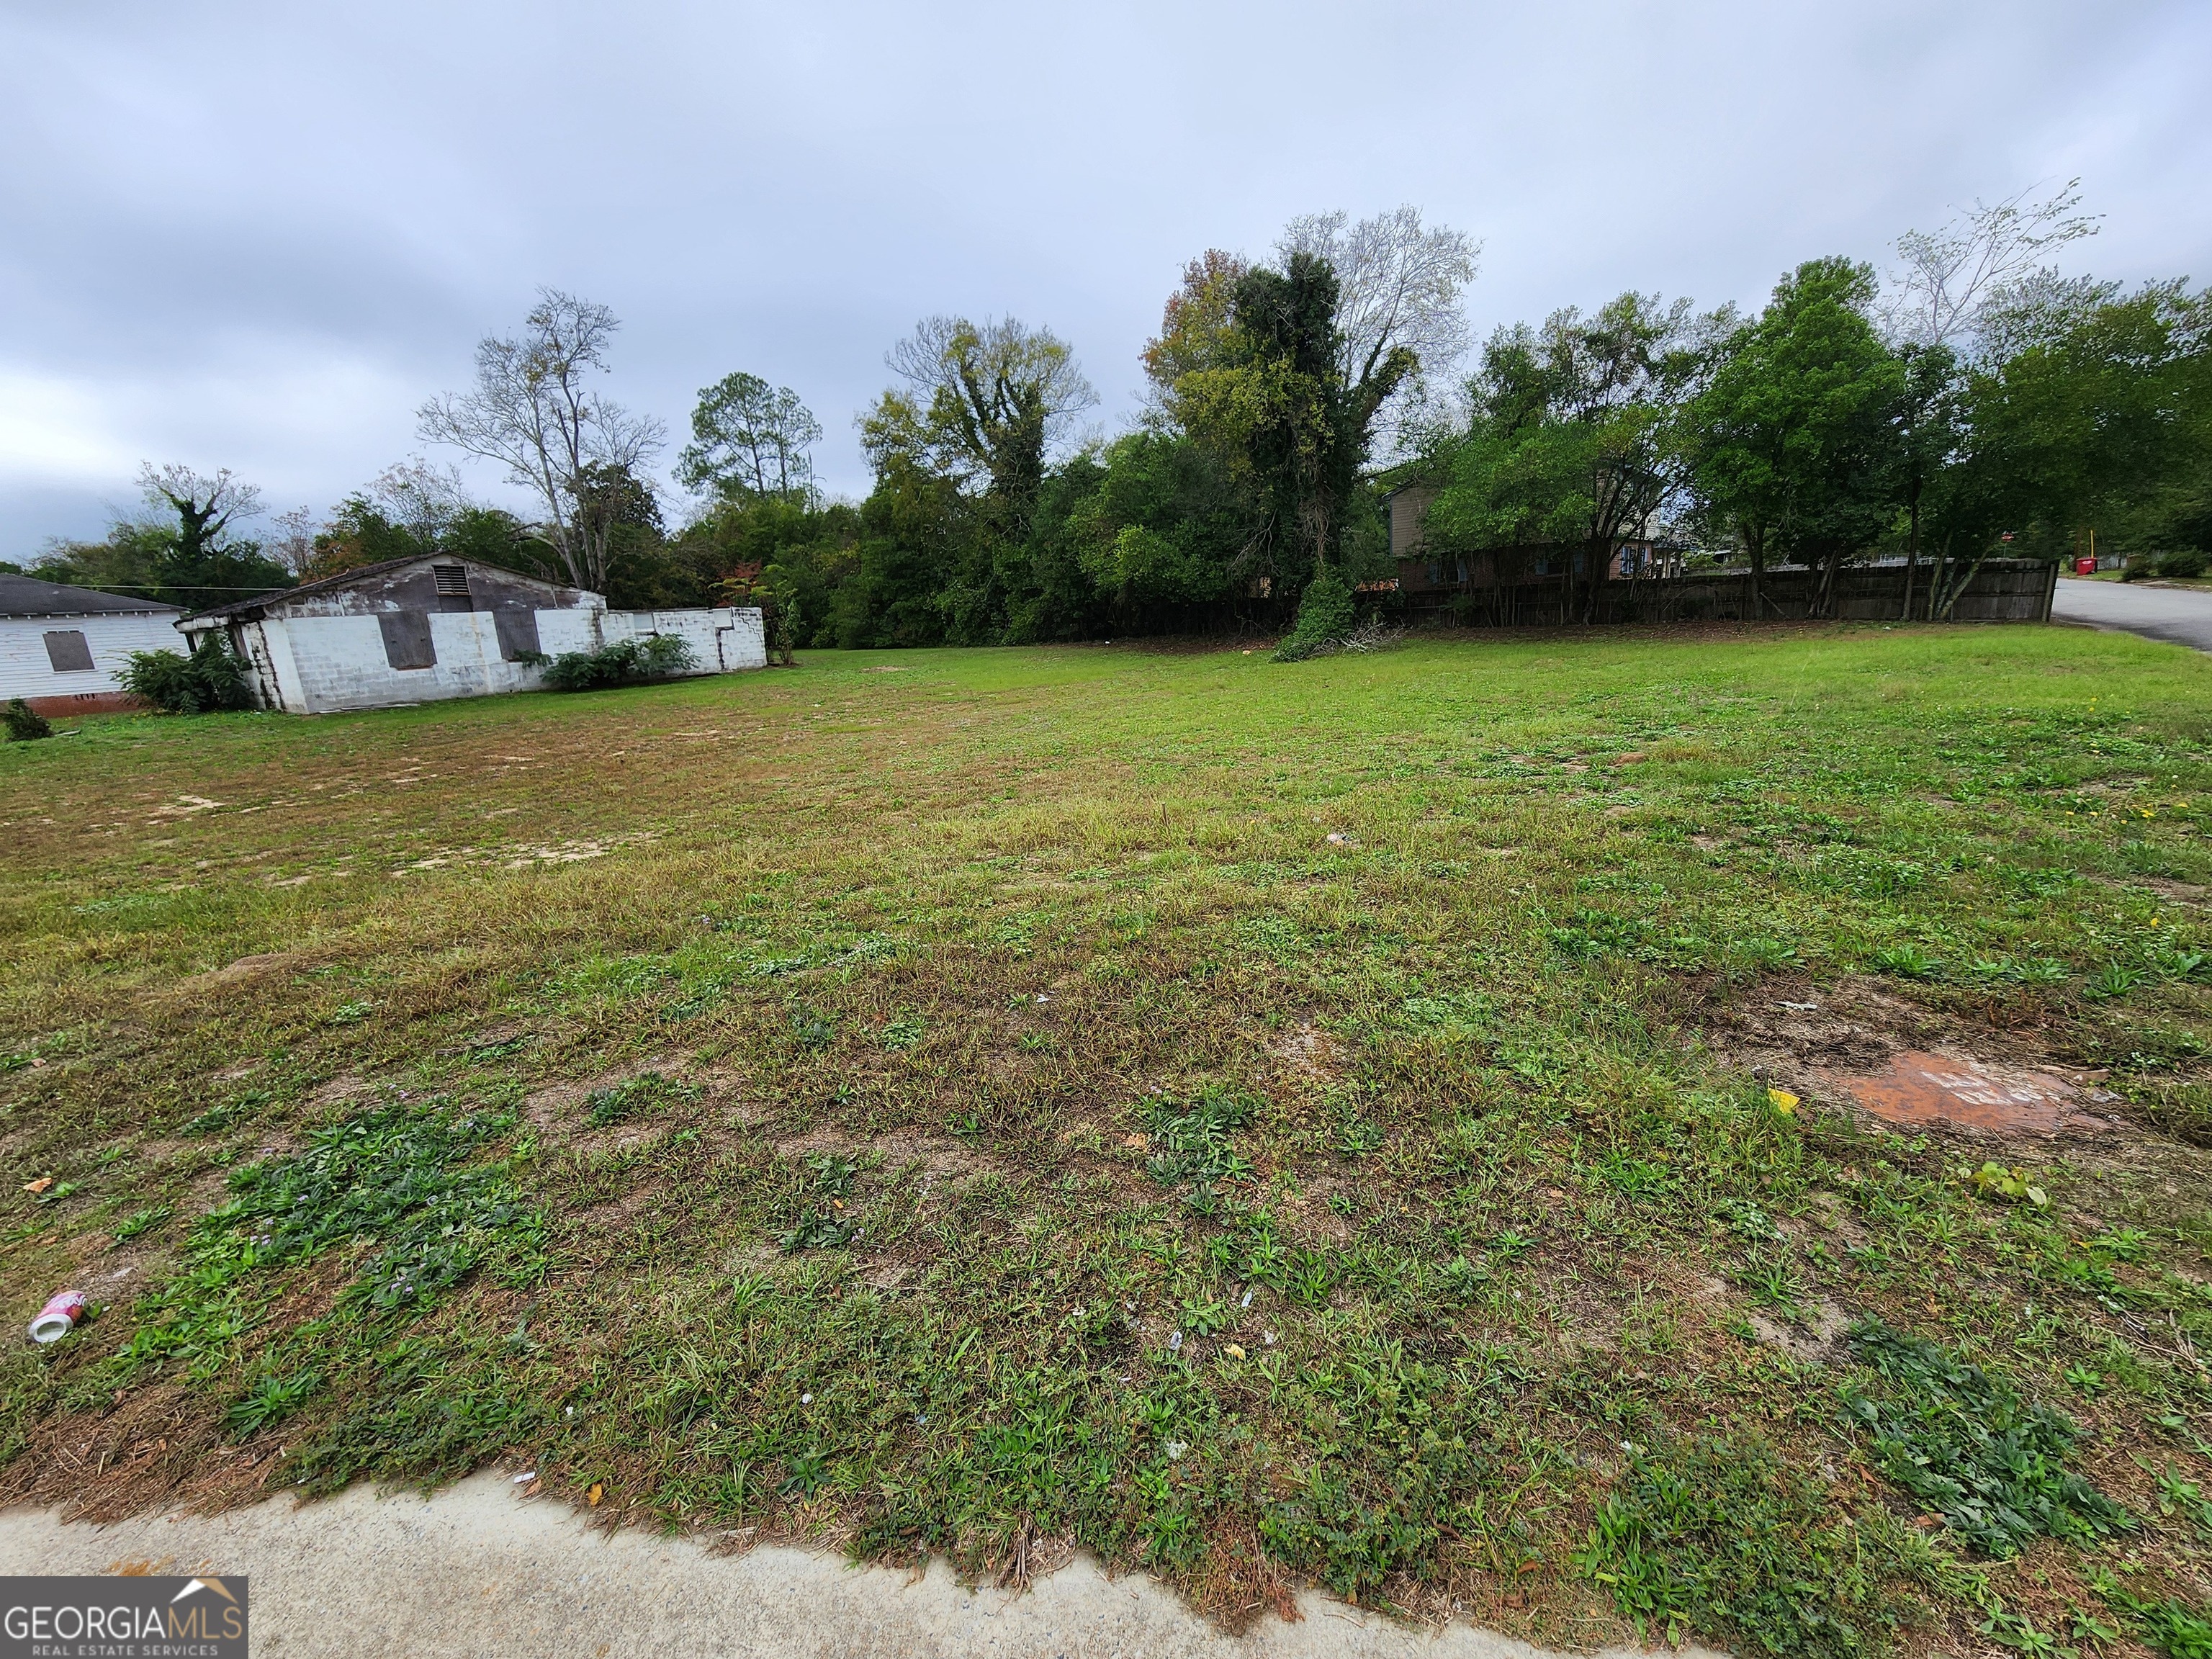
{"x":258,"y":235}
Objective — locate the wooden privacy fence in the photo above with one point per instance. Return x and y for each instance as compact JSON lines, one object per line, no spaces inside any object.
{"x":2003,"y":590}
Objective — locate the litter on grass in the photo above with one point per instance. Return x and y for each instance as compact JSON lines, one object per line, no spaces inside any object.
{"x":64,"y":1312}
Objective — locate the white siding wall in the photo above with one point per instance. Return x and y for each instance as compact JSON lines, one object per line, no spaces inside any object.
{"x":25,"y":670}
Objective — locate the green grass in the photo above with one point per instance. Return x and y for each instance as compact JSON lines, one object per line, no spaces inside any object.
{"x":1263,"y":1123}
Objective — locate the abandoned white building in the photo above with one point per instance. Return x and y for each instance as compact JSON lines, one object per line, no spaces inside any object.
{"x":62,"y":647}
{"x":417,"y":630}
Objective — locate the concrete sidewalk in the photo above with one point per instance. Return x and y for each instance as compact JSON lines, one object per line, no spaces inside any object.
{"x":477,"y":1570}
{"x":2179,"y":616}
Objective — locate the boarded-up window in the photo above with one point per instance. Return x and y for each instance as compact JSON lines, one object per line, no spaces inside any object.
{"x":518,"y":632}
{"x":407,"y":639}
{"x":67,"y":651}
{"x":452,"y":583}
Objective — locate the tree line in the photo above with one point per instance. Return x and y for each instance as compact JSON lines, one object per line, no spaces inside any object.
{"x":1970,"y":402}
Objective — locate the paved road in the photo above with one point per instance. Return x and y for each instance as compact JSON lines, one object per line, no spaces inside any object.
{"x":2178,"y":614}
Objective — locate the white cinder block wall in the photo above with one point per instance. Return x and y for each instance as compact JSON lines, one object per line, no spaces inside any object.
{"x":326,"y":664}
{"x":722,"y":641}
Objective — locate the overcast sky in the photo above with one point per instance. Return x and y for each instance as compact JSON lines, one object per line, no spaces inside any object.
{"x":258,"y":235}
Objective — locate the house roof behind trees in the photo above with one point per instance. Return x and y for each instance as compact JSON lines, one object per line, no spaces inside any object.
{"x":28,"y":596}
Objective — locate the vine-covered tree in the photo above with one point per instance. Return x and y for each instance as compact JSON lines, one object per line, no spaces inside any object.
{"x":184,"y":551}
{"x":985,"y":404}
{"x":1283,"y":374}
{"x":1398,"y":284}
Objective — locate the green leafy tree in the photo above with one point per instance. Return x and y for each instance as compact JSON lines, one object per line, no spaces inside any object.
{"x":618,"y":510}
{"x":749,"y":438}
{"x":2087,"y":406}
{"x":127,"y":560}
{"x":1573,"y":445}
{"x":1928,"y":417}
{"x":413,"y":510}
{"x":1794,"y":439}
{"x":1160,"y":532}
{"x":812,"y":546}
{"x":1051,"y":589}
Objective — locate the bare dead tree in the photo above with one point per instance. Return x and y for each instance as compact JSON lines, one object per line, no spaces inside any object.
{"x":1947,"y":280}
{"x":1399,"y":286}
{"x":294,"y":545}
{"x":534,"y":412}
{"x":421,"y":499}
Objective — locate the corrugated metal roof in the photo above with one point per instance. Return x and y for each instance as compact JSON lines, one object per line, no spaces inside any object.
{"x":28,"y":596}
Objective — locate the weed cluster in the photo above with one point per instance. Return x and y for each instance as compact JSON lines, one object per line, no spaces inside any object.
{"x":1969,"y":1447}
{"x":398,"y":1184}
{"x":1718,"y":1534}
{"x":211,"y":680}
{"x":24,"y":724}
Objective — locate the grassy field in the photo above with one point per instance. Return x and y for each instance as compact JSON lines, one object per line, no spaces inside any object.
{"x":1260,"y":1123}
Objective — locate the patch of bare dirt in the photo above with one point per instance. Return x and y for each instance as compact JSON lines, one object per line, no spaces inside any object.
{"x":339,"y":1088}
{"x":2180,"y":892}
{"x":548,"y":1106}
{"x":1307,"y":1215}
{"x":940,"y":1158}
{"x":238,"y":972}
{"x":1817,"y":1339}
{"x":490,"y":1037}
{"x":1310,"y":1054}
{"x":1857,"y":1045}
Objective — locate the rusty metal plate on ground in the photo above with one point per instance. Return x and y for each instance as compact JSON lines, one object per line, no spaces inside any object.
{"x":1929,"y":1089}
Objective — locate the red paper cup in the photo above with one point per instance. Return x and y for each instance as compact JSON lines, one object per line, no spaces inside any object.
{"x":64,"y":1312}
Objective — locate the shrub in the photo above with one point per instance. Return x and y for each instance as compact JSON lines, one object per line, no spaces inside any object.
{"x":2184,"y":561}
{"x":626,"y":662}
{"x":1325,"y":617}
{"x":23,"y":724}
{"x":211,"y":680}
